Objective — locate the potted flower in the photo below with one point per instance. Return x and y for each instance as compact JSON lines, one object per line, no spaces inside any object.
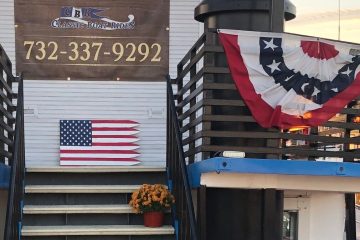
{"x":152,"y":201}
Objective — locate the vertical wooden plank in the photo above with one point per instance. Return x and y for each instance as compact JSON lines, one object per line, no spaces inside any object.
{"x":209,"y":61}
{"x":10,"y":79}
{"x":2,"y":74}
{"x":349,"y":198}
{"x":201,"y":212}
{"x":273,"y":143}
{"x":168,"y":124}
{"x":180,"y":85}
{"x":272,"y":209}
{"x":350,"y":223}
{"x":313,"y":145}
{"x":277,"y":16}
{"x":234,"y":214}
{"x":193,"y":101}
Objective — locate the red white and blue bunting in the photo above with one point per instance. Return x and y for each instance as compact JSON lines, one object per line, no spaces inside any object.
{"x":289,"y":80}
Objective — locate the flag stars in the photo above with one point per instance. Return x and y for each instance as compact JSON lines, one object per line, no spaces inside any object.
{"x":73,"y":134}
{"x":270,"y":44}
{"x":274,"y":66}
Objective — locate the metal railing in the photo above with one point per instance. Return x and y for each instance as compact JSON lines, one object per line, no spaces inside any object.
{"x":177,"y":173}
{"x":214,"y":118}
{"x":12,"y":146}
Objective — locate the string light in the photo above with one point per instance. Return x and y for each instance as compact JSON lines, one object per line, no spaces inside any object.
{"x":356,"y":119}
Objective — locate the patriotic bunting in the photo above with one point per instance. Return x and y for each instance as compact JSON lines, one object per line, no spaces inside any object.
{"x":289,"y":80}
{"x":98,"y":142}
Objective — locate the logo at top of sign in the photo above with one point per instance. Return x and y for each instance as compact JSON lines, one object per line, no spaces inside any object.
{"x":89,"y":18}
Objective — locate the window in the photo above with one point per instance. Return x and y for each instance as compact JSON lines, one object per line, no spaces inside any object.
{"x":290,"y":225}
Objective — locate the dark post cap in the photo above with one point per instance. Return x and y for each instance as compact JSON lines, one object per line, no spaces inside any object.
{"x":290,"y":10}
{"x":211,"y":7}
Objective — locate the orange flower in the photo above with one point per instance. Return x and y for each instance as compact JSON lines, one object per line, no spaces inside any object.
{"x":154,"y":197}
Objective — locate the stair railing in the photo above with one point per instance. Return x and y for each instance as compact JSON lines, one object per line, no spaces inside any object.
{"x":177,"y":173}
{"x":12,"y":144}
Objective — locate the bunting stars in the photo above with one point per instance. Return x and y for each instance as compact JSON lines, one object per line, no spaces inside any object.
{"x":274,"y":66}
{"x":315,"y":92}
{"x":304,"y":86}
{"x":290,"y":80}
{"x":287,"y":79}
{"x":304,"y":82}
{"x":270,"y":44}
{"x":347,"y":72}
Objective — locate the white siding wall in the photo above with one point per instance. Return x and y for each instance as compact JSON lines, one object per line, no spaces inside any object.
{"x":46,"y":102}
{"x":7,"y":30}
{"x":327,"y":216}
{"x":321,"y":215}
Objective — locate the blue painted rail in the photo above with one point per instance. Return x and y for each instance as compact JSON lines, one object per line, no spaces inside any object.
{"x":4,"y":176}
{"x":270,"y":166}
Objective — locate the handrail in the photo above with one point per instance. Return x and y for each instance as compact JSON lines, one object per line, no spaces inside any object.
{"x":15,"y":144}
{"x":177,"y":172}
{"x":12,"y":149}
{"x":15,"y":194}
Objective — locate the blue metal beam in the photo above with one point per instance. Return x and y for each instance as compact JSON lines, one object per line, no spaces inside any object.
{"x":271,"y":166}
{"x":4,"y":176}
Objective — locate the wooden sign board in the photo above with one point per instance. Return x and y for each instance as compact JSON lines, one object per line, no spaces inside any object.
{"x":92,"y":40}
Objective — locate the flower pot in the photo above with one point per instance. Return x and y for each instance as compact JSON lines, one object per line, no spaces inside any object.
{"x":153,"y":219}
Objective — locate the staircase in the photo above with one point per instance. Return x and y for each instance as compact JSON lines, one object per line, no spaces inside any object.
{"x":88,"y":203}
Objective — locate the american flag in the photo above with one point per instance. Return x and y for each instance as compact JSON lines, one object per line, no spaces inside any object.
{"x":98,"y":142}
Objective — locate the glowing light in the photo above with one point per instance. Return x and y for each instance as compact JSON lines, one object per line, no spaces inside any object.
{"x":307,"y":115}
{"x":297,"y":128}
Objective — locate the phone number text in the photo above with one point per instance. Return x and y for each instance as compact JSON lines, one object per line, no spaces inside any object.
{"x":95,"y":52}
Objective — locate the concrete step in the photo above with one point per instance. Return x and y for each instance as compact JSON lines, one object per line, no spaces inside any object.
{"x":60,"y":215}
{"x":76,"y":198}
{"x":81,"y":188}
{"x":95,"y":169}
{"x":95,"y":175}
{"x":88,"y":203}
{"x":95,"y":230}
{"x":103,"y":237}
{"x":77,"y":209}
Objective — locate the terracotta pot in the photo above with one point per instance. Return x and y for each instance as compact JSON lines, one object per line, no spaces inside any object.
{"x":153,"y":219}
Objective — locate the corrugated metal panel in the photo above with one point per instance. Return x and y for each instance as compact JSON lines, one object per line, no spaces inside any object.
{"x":46,"y":102}
{"x":7,"y":29}
{"x":184,"y":30}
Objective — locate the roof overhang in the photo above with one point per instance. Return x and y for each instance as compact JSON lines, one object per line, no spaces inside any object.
{"x":248,"y":173}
